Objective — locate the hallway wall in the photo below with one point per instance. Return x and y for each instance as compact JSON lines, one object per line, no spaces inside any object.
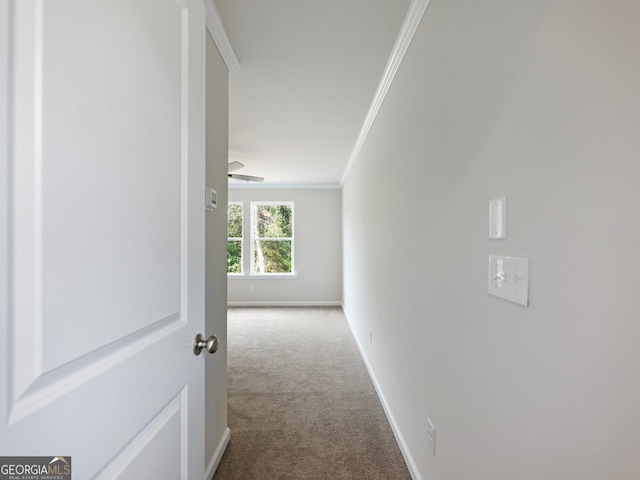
{"x":538,"y":102}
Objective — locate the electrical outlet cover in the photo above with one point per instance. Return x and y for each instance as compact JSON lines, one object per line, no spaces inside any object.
{"x":431,"y":437}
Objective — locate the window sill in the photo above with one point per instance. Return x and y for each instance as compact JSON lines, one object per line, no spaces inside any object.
{"x":268,"y":276}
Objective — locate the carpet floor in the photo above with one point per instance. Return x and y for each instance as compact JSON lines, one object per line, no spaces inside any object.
{"x":301,"y":403}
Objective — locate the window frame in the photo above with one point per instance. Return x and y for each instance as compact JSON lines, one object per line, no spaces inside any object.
{"x":247,"y":225}
{"x":253,"y":237}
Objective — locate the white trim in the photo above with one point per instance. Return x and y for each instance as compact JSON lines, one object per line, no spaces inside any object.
{"x":217,"y":455}
{"x":262,"y":276}
{"x":250,"y":185}
{"x":405,"y":37}
{"x":219,"y":34}
{"x":313,"y":303}
{"x":402,"y":444}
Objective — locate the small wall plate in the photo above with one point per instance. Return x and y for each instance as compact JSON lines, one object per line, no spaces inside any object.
{"x":210,"y":198}
{"x":497,"y":218}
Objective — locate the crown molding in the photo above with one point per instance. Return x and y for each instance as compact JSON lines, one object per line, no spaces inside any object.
{"x":220,"y":38}
{"x":405,"y":37}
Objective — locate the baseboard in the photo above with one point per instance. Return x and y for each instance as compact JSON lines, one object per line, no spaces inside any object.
{"x":313,"y":303}
{"x":217,"y":455}
{"x":402,"y":444}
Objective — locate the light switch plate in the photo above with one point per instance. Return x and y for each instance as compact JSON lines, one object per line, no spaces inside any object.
{"x":210,"y":198}
{"x":509,"y":278}
{"x":498,"y":218}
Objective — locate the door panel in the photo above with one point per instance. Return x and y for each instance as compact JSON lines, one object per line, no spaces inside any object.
{"x":128,"y":169}
{"x":145,"y":455}
{"x":106,"y":235}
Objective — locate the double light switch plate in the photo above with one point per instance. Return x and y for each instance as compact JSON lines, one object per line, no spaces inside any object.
{"x":509,"y":278}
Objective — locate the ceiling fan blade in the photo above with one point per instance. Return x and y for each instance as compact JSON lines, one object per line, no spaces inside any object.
{"x":246,"y":178}
{"x":233,"y":166}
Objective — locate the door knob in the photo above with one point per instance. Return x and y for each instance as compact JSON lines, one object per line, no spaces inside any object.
{"x":210,"y":344}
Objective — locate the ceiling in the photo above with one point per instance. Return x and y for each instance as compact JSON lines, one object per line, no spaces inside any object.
{"x":308,"y":73}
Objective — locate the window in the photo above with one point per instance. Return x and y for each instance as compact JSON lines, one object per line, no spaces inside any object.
{"x":270,"y":243}
{"x":234,"y":238}
{"x":271,"y":237}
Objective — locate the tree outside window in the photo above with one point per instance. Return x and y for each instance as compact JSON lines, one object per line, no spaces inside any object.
{"x":272,"y":238}
{"x":234,"y":238}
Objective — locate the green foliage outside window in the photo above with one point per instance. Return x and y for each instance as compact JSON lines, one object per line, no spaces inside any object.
{"x":234,"y":257}
{"x":273,"y":239}
{"x":272,"y":256}
{"x":234,"y":221}
{"x":234,"y":238}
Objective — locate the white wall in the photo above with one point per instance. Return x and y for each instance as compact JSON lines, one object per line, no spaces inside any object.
{"x":318,"y":258}
{"x":216,"y":431}
{"x":538,"y":101}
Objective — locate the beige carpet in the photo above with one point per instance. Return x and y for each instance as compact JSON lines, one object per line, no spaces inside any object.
{"x":301,"y":404}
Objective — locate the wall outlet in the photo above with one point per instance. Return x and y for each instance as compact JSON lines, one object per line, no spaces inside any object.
{"x":370,"y":337}
{"x":252,"y":287}
{"x":431,"y":437}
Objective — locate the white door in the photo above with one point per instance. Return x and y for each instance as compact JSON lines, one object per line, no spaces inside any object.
{"x":102,"y":235}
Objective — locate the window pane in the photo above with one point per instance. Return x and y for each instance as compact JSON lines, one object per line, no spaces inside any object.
{"x":272,"y":256}
{"x":234,"y":256}
{"x":234,"y":221}
{"x":274,"y":221}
